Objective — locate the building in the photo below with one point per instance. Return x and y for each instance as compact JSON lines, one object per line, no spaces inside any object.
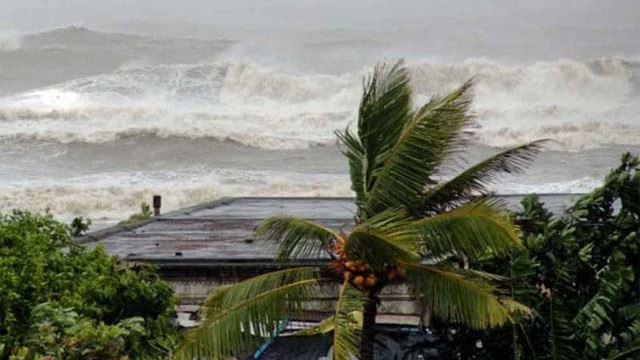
{"x":200,"y":248}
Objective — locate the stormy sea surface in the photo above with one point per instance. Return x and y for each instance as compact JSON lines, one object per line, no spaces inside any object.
{"x":94,"y":120}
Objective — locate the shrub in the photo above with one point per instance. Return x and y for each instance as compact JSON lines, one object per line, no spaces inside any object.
{"x":40,"y":264}
{"x":581,"y":274}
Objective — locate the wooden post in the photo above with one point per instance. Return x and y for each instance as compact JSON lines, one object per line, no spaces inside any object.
{"x":157,"y":204}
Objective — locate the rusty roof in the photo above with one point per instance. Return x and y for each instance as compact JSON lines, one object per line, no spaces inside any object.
{"x":221,"y":232}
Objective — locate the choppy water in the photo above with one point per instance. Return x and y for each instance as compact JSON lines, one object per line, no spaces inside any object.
{"x":118,"y":117}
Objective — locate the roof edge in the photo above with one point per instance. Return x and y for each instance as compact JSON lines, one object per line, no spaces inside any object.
{"x":97,"y":235}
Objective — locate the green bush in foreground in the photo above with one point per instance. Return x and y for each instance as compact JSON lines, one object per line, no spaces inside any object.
{"x":63,"y":334}
{"x":60,"y":299}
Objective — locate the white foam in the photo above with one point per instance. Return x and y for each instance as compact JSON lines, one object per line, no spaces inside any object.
{"x":98,"y":196}
{"x":113,"y":196}
{"x":238,"y":102}
{"x":575,"y":186}
{"x":580,"y":105}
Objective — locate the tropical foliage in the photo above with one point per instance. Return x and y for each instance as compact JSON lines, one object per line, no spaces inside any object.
{"x":57,"y":333}
{"x":409,"y":228}
{"x":58,"y":297}
{"x":581,"y":275}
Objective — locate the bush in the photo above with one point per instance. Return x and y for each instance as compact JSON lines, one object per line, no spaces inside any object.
{"x":579,"y":272}
{"x":79,"y":226}
{"x":63,"y":334}
{"x":40,"y":264}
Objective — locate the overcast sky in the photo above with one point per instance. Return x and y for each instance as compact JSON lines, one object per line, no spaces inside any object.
{"x":40,"y":14}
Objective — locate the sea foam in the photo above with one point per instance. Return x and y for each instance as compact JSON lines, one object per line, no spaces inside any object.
{"x":578,"y":104}
{"x":113,"y":195}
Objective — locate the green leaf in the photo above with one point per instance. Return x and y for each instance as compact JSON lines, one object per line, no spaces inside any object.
{"x":473,"y":229}
{"x":323,"y":327}
{"x":347,"y":324}
{"x":297,"y":238}
{"x":516,"y":308}
{"x":625,"y":354}
{"x":459,"y":297}
{"x":427,"y":138}
{"x":327,"y":325}
{"x":358,"y":163}
{"x":384,"y":109}
{"x":242,"y":316}
{"x":387,"y":238}
{"x":477,"y":178}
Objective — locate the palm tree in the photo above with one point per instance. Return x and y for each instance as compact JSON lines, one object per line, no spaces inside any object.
{"x":409,"y":228}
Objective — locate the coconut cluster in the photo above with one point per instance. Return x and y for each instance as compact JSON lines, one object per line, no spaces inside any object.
{"x":360,"y":273}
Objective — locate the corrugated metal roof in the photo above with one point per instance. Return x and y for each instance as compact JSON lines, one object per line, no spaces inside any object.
{"x":221,"y":232}
{"x":217,"y":232}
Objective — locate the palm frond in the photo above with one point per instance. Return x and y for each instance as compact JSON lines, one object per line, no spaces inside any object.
{"x":240,"y":317}
{"x":459,"y":297}
{"x":630,"y":342}
{"x":516,"y":308}
{"x":297,"y":238}
{"x":473,"y":229}
{"x":480,"y":176}
{"x":328,"y":325}
{"x":631,"y":335}
{"x":426,"y":140}
{"x":358,"y":163}
{"x":323,"y":327}
{"x":625,"y":354}
{"x":631,"y":311}
{"x":597,"y":316}
{"x":347,"y":325}
{"x":386,"y":238}
{"x":384,"y":109}
{"x":561,"y":331}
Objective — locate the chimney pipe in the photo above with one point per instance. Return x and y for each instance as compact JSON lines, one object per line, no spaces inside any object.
{"x":157,"y":204}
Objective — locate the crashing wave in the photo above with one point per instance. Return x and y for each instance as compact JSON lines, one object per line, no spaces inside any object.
{"x":97,"y":195}
{"x":579,"y":104}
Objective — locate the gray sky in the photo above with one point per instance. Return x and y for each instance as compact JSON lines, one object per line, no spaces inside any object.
{"x":271,"y":30}
{"x":39,"y":14}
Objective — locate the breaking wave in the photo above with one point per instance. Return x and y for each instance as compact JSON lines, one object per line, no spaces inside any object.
{"x":577,"y":186}
{"x":98,"y":195}
{"x":114,"y":195}
{"x":579,"y":104}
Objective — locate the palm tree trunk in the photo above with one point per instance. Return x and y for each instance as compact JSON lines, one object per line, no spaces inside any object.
{"x":368,"y":327}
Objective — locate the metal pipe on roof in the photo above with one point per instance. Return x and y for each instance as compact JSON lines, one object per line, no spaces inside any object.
{"x":157,"y":204}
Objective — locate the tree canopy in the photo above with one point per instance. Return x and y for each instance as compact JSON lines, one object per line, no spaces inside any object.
{"x":579,"y":272}
{"x":50,"y":285}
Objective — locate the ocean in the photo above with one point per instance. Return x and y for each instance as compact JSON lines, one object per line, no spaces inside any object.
{"x":95,"y":120}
